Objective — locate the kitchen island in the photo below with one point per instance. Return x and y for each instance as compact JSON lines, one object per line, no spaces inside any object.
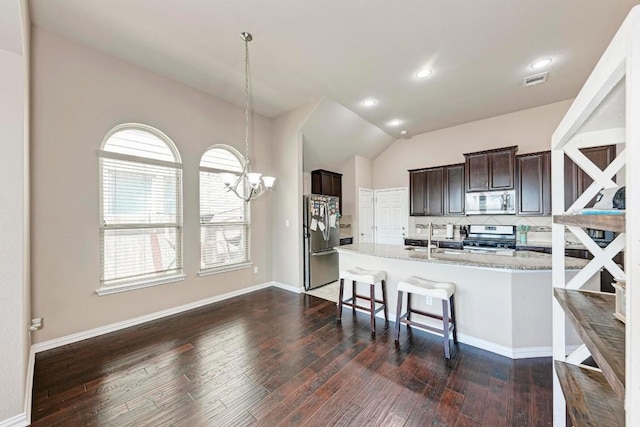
{"x":503,"y":303}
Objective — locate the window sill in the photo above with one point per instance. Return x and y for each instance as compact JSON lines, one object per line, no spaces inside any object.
{"x":108,"y":290}
{"x":224,"y":269}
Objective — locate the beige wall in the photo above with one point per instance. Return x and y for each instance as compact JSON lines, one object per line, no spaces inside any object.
{"x":363,"y":179}
{"x":529,"y":129}
{"x":78,"y":95}
{"x":287,"y":211}
{"x":14,"y":246}
{"x":349,"y":193}
{"x":13,"y":336}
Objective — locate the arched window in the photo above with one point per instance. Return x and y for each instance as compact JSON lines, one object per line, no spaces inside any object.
{"x":224,"y":218}
{"x":140,"y":209}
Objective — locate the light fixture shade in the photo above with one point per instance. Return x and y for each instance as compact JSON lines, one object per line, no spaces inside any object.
{"x":228,"y":178}
{"x":254,"y":178}
{"x":268,"y":181}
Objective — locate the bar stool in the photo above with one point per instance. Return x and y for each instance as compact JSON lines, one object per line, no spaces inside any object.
{"x":370,"y":277}
{"x":439,"y":290}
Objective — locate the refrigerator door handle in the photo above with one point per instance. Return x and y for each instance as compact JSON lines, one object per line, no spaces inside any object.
{"x":323,"y":253}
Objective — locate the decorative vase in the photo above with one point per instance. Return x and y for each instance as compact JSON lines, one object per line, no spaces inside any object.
{"x":523,"y":237}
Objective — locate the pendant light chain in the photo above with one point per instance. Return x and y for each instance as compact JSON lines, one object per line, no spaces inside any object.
{"x":247,"y":39}
{"x":257,"y":184}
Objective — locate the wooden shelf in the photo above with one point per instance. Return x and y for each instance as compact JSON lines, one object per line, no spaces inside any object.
{"x":589,"y":398}
{"x":597,"y":222}
{"x":591,"y":314}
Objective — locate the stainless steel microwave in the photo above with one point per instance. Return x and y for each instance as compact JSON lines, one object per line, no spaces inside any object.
{"x":491,"y":203}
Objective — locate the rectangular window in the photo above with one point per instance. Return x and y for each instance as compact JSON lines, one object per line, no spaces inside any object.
{"x":141,"y":220}
{"x":224,"y":220}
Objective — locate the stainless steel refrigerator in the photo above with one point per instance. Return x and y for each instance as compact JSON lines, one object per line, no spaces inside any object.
{"x":321,"y":234}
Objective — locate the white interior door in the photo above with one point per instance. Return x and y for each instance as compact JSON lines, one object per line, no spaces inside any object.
{"x":391,"y":215}
{"x":365,"y":215}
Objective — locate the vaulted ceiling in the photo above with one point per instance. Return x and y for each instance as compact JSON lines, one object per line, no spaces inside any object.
{"x":345,"y":51}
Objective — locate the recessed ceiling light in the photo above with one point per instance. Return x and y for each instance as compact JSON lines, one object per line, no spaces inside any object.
{"x":369,"y":102}
{"x":403,"y":132}
{"x":395,"y":122}
{"x":541,"y":63}
{"x":424,"y":73}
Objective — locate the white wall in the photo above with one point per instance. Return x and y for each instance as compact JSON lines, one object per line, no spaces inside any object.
{"x":363,"y":179}
{"x":529,"y":129}
{"x":348,"y":171}
{"x":78,"y":95}
{"x":287,"y":211}
{"x":14,"y":285}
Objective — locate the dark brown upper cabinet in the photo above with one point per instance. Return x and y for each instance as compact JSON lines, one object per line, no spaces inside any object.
{"x":327,"y":183}
{"x":491,"y":170}
{"x":417,"y":190}
{"x":533,"y":178}
{"x":576,"y":180}
{"x":454,"y":189}
{"x":426,"y":191}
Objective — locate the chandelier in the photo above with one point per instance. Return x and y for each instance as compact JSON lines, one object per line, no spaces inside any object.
{"x":257,"y":184}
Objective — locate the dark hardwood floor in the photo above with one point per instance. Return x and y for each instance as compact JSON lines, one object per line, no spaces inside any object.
{"x":276,"y":358}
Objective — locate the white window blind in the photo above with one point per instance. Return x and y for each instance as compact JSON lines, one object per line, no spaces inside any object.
{"x":141,"y":207}
{"x":224,"y":218}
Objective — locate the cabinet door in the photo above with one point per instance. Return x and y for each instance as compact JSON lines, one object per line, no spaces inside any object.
{"x":435,"y":193}
{"x":327,"y":184}
{"x":546,"y":184}
{"x":336,"y":186}
{"x":477,"y":172}
{"x":501,"y":170}
{"x":576,"y":181}
{"x":534,"y":184}
{"x":454,"y":190}
{"x":417,"y":189}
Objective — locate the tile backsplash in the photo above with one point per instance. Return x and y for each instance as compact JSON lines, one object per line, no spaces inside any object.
{"x":539,"y":231}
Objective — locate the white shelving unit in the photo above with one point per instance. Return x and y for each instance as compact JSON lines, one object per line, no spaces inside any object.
{"x":606,"y":111}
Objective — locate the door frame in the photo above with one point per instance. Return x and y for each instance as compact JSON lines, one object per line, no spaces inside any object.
{"x":360,"y":215}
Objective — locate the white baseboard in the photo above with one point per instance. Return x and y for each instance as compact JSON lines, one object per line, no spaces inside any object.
{"x":91,"y":333}
{"x":19,"y":420}
{"x":511,"y":353}
{"x":29,"y":386}
{"x":287,"y":287}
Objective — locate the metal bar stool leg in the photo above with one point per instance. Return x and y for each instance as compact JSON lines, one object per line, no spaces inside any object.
{"x":445,"y":326}
{"x":408,"y":308}
{"x":398,"y":316}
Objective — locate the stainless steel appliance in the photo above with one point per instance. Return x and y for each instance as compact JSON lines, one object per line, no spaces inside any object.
{"x":491,"y":238}
{"x":491,"y":203}
{"x":321,"y":224}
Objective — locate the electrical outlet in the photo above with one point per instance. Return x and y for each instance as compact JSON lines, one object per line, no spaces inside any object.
{"x":36,"y":324}
{"x":429,"y":300}
{"x":255,"y":269}
{"x":286,"y":222}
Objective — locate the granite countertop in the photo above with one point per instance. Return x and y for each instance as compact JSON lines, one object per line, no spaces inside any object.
{"x":433,"y":238}
{"x":521,"y":260}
